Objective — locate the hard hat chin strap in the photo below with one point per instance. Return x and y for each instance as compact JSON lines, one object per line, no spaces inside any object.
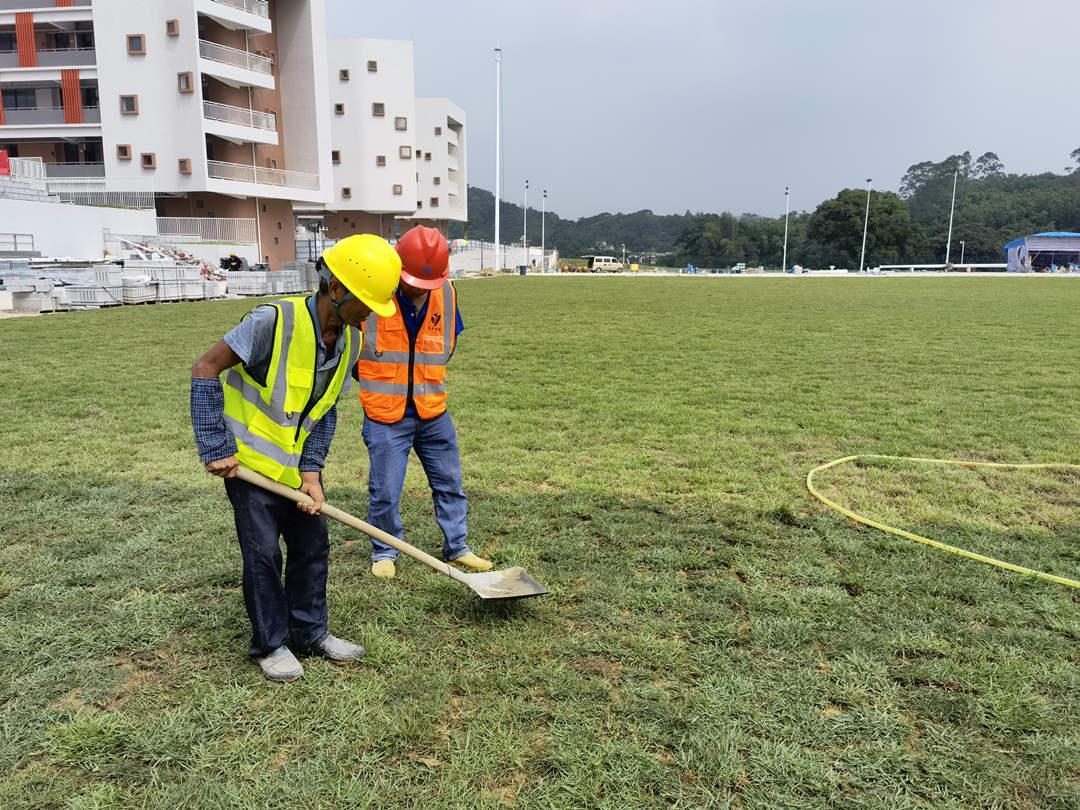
{"x":327,"y":275}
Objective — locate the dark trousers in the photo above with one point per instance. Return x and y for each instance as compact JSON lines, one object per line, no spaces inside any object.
{"x":297,"y":609}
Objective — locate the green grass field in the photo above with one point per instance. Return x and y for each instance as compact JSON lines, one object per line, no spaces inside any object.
{"x":713,"y":637}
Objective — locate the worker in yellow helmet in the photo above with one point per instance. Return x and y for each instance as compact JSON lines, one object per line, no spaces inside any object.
{"x":287,"y":363}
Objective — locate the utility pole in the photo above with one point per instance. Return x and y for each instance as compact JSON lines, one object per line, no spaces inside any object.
{"x":498,"y":154}
{"x":952,"y":207}
{"x":787,"y":208}
{"x":866,"y":222}
{"x":543,"y":223}
{"x":525,"y":229}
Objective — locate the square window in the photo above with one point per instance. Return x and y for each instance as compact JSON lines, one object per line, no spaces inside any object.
{"x":419,"y":203}
{"x":434,"y":202}
{"x":438,"y":130}
{"x":419,"y":154}
{"x":346,"y":192}
{"x":378,"y":109}
{"x":200,"y":204}
{"x":136,"y":44}
{"x":279,"y":226}
{"x":148,"y":160}
{"x":427,"y":155}
{"x":273,"y":164}
{"x":397,"y":189}
{"x":172,"y":28}
{"x":401,"y":123}
{"x":335,"y":156}
{"x":275,"y":240}
{"x":123,"y":151}
{"x":343,"y":74}
{"x":344,"y":219}
{"x":339,"y":109}
{"x":185,"y":83}
{"x":129,"y":105}
{"x":436,"y":181}
{"x":184,"y":165}
{"x":404,"y":152}
{"x":372,"y":66}
{"x":380,"y":160}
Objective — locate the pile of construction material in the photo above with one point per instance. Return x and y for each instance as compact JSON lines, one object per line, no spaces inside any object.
{"x":261,"y":282}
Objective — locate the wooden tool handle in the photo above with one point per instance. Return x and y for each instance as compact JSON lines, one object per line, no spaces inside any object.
{"x":341,"y":516}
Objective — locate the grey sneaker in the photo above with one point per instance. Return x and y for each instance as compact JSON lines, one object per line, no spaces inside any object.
{"x":280,"y":665}
{"x":338,"y":650}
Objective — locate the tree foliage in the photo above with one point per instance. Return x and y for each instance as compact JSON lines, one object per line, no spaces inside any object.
{"x":992,"y":208}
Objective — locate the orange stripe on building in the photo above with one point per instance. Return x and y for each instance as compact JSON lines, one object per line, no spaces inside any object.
{"x":24,"y":35}
{"x":69,"y":83}
{"x":64,"y":3}
{"x":1,"y":109}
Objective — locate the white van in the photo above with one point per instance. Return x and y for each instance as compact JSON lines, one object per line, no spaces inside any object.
{"x":605,"y":264}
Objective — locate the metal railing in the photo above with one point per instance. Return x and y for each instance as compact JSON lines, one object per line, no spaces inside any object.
{"x":205,"y":229}
{"x":234,"y":57}
{"x":93,"y":191}
{"x":239,"y":115}
{"x":28,"y":116}
{"x":31,"y":170}
{"x":258,"y":7}
{"x":17,"y":242}
{"x":243,"y":173}
{"x":56,"y":57}
{"x":65,"y":170}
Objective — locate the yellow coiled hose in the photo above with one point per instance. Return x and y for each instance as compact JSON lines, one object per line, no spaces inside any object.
{"x":1072,"y":583}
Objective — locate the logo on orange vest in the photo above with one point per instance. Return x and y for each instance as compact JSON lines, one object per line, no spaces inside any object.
{"x":435,"y":319}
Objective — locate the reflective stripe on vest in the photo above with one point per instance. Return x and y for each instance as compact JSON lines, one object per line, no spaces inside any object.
{"x":269,"y":421}
{"x":384,"y":360}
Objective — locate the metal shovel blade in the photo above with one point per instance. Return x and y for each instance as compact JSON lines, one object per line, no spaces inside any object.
{"x":511,"y":583}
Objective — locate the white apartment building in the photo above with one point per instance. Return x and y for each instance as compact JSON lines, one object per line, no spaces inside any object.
{"x":233,"y":116}
{"x":441,"y":195}
{"x":394,"y":156}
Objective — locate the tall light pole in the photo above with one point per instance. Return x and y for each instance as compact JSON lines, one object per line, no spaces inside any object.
{"x":961,"y":251}
{"x":498,"y":154}
{"x":525,"y":228}
{"x":787,"y":208}
{"x":952,"y":207}
{"x":866,"y":222}
{"x":543,"y":223}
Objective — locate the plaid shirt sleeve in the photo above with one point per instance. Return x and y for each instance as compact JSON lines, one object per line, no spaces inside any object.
{"x":212,"y":437}
{"x":313,"y":457}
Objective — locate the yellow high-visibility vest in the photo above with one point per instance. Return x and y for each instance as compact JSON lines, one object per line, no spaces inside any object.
{"x":271,"y":420}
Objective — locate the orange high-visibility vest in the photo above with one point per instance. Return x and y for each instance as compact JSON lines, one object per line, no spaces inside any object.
{"x":390,"y":362}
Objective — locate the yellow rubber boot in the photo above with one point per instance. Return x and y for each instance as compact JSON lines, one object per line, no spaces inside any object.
{"x":470,"y":560}
{"x":383,"y":569}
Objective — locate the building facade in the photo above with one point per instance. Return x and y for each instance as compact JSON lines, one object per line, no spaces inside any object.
{"x":234,"y":115}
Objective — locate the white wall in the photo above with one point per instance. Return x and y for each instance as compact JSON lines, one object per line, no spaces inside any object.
{"x":360,"y":136}
{"x":71,"y":231}
{"x":169,"y":123}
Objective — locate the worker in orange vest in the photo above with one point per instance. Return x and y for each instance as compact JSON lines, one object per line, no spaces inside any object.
{"x":401,"y":374}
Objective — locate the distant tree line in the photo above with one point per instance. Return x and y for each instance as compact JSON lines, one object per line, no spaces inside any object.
{"x":992,"y":208}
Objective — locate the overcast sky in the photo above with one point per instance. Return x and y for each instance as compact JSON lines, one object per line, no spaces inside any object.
{"x":713,"y":106}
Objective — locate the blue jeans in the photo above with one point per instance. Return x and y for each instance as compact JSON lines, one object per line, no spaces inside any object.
{"x":296,"y":609}
{"x":435,"y":442}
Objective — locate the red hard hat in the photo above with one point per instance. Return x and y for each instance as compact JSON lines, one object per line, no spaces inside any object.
{"x":425,"y":258}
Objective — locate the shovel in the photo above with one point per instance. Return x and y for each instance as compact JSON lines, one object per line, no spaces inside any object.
{"x":513,"y":583}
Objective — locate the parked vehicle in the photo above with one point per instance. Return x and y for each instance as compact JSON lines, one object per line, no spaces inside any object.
{"x":605,"y":264}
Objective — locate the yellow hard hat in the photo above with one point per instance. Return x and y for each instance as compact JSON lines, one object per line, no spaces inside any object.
{"x":369,"y":268}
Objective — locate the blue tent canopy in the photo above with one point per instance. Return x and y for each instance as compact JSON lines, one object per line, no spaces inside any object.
{"x":1042,"y":250}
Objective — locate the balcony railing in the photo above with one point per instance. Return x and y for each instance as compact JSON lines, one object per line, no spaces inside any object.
{"x":45,"y":116}
{"x":240,"y":172}
{"x":258,"y":7}
{"x":234,"y":57}
{"x":58,"y":57}
{"x":239,"y":115}
{"x":64,"y":170}
{"x":34,"y":4}
{"x":237,"y":231}
{"x":94,"y":191}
